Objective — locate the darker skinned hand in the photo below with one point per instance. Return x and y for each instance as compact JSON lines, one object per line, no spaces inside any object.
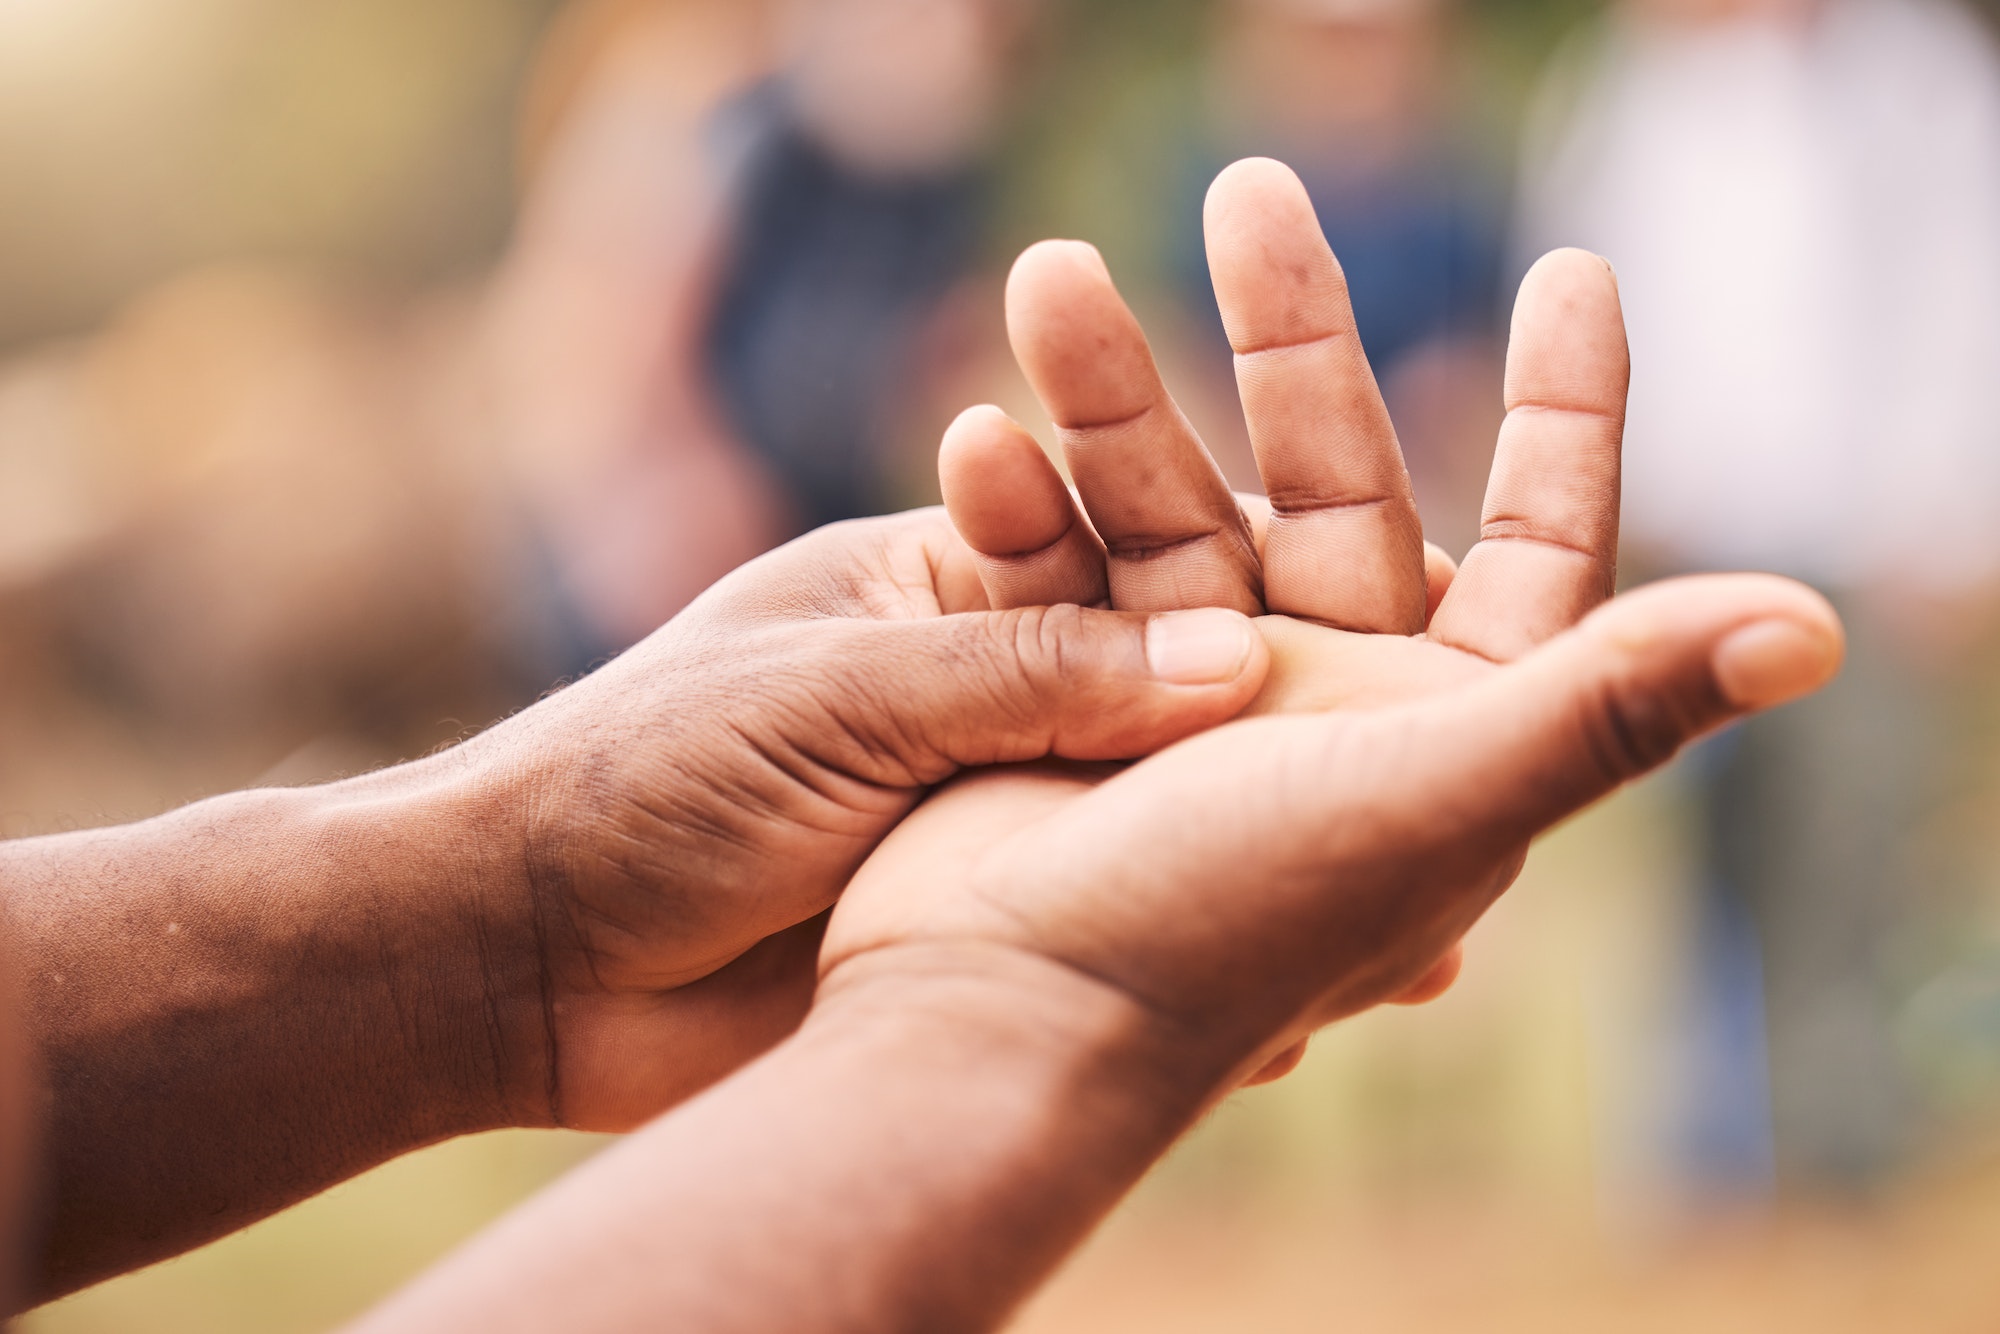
{"x":672,"y":829}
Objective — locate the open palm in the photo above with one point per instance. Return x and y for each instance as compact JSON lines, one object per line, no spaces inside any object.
{"x":1401,"y":662}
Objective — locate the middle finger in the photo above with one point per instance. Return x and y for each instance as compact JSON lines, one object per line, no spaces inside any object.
{"x":1345,"y":544}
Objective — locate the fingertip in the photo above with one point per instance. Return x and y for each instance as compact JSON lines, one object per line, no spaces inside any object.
{"x":1567,"y":345}
{"x":1697,"y":603}
{"x":1053,"y":264}
{"x":1253,"y":180}
{"x":1076,"y":340}
{"x":1011,"y":508}
{"x":1572,"y":264}
{"x":1765,"y":639}
{"x":1279,"y":1066}
{"x":970,"y":434}
{"x":1276,"y":278}
{"x":1567,"y":285}
{"x":1619,"y":695}
{"x":1810,"y":607}
{"x":1004,"y":495}
{"x":1437,"y":980}
{"x":1780,"y":658}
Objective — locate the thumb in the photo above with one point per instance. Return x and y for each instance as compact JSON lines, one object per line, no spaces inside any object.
{"x":1007,"y":686}
{"x":1619,"y":694}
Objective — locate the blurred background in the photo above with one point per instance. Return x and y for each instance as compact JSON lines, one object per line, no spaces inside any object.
{"x":367,"y":368}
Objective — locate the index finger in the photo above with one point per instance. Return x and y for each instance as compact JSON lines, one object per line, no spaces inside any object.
{"x":1345,"y":545}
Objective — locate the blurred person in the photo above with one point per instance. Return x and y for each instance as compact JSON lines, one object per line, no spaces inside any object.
{"x":1802,"y":198}
{"x":267,"y":519}
{"x":242,"y":518}
{"x":610,"y":902}
{"x":244,"y":528}
{"x":742,"y":221}
{"x":1359,"y":95}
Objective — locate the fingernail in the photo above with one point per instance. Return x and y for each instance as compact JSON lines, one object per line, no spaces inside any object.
{"x":1198,"y":648}
{"x":1773,"y":662}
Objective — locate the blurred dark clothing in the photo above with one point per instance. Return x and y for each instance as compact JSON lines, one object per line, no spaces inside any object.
{"x":1421,"y":242}
{"x":831,"y":279}
{"x":1811,"y":813}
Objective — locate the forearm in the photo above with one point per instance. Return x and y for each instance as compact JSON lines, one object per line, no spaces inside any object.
{"x":243,"y":1002}
{"x":917,"y":1157}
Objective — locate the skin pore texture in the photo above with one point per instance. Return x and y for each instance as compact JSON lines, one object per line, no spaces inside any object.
{"x":839,"y":888}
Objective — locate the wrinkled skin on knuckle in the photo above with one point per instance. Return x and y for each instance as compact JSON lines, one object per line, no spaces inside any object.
{"x":678,"y":791}
{"x":1630,"y":727}
{"x":1007,"y":670}
{"x":907,"y":710}
{"x":977,"y":690}
{"x":1059,"y":677}
{"x":895,"y":567}
{"x":1047,"y":642}
{"x":848,"y":707}
{"x":778,"y":659}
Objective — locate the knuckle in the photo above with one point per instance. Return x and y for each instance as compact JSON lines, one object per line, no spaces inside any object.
{"x":1049,"y":645}
{"x":1629,"y":730}
{"x":1035,"y":660}
{"x":978,"y":659}
{"x":1024,"y":641}
{"x":860,"y":693}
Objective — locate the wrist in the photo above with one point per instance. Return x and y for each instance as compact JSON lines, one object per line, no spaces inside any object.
{"x":949,"y":1123}
{"x":1164,"y":1069}
{"x":439,"y":848}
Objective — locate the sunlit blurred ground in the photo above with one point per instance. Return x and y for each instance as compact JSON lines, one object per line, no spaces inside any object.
{"x":1921,"y":1263}
{"x":327,"y":1260}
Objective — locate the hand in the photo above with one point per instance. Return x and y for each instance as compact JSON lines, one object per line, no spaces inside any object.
{"x":1349,"y":548}
{"x":1039,"y":978}
{"x":577,"y":918}
{"x":695,"y":806}
{"x":1339,"y":542}
{"x":1459,"y":719}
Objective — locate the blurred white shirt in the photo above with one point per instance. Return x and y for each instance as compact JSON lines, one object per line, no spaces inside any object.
{"x":1805,"y":220}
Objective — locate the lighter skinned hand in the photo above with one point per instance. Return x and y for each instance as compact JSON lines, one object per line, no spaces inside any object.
{"x":1278,"y":873}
